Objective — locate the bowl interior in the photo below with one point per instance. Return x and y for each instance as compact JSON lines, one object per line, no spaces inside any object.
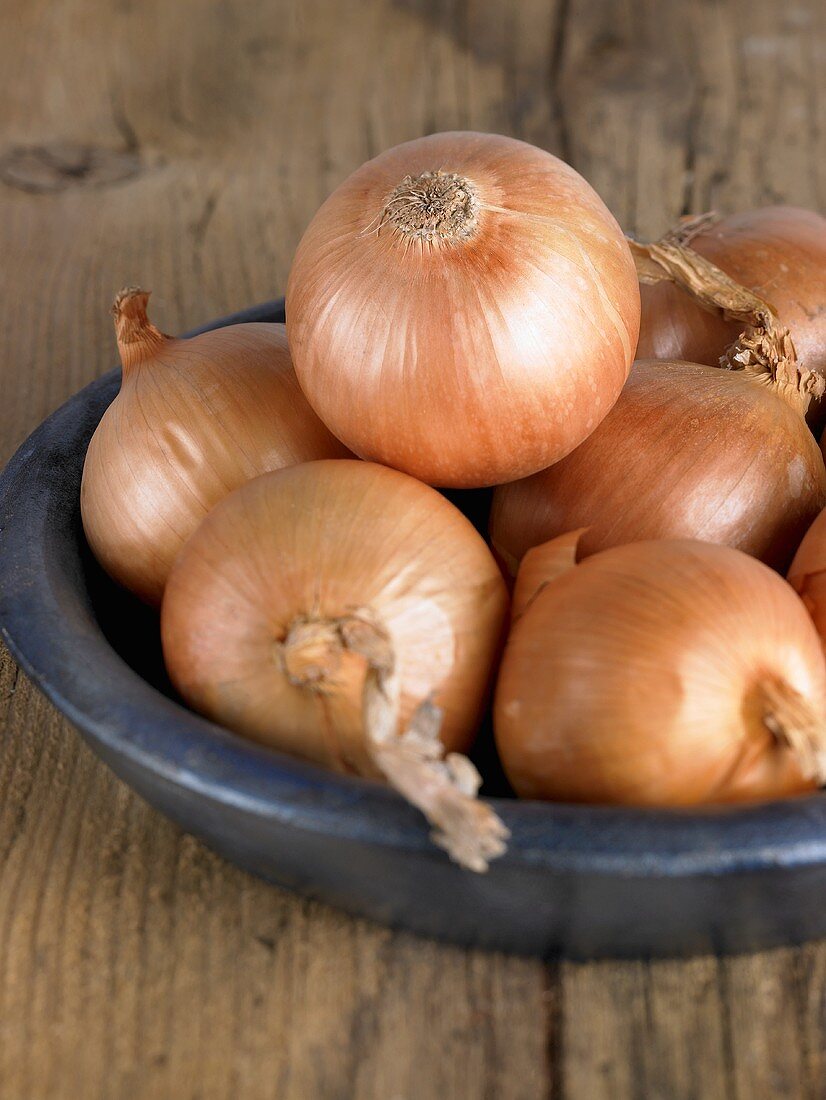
{"x":95,"y":651}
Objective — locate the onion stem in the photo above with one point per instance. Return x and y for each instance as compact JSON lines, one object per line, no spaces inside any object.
{"x":138,"y":339}
{"x":764,"y":350}
{"x":443,"y":787}
{"x":684,"y":232}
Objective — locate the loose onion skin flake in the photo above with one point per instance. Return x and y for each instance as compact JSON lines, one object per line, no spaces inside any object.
{"x":779,"y":252}
{"x":193,"y":420}
{"x":660,"y":674}
{"x":324,"y":609}
{"x":688,"y":451}
{"x":463,"y":308}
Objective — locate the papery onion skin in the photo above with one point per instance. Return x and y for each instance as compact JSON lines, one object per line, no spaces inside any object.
{"x":312,"y":544}
{"x":193,"y":420}
{"x":471,"y":360}
{"x":777,"y":251}
{"x":661,"y":674}
{"x":688,"y":451}
{"x":807,"y":573}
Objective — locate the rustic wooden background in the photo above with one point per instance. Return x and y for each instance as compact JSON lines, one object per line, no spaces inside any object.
{"x":185,"y":145}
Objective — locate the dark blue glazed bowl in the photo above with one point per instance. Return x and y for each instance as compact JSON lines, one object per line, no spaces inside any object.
{"x":583,"y":880}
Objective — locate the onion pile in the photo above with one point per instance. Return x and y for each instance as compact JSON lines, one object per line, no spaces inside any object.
{"x":463,"y":308}
{"x":778,"y":252}
{"x":688,"y":451}
{"x":317,"y":608}
{"x":193,"y":420}
{"x":463,"y":312}
{"x":657,"y":674}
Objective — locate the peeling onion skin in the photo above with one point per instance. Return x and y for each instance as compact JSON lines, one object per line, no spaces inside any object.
{"x":807,"y":574}
{"x":688,"y":451}
{"x":661,"y":674}
{"x":193,"y":420}
{"x":779,"y":252}
{"x":318,"y":542}
{"x":472,"y":360}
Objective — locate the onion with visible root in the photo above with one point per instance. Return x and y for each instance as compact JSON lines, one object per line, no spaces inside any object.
{"x":193,"y":420}
{"x":464,"y":308}
{"x":688,"y":451}
{"x":659,"y":674}
{"x":345,"y":613}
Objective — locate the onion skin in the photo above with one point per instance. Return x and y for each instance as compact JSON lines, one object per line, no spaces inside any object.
{"x":807,"y":574}
{"x":780,"y":253}
{"x":472,"y":359}
{"x":193,"y":420}
{"x":688,"y":451}
{"x":662,"y":674}
{"x":315,"y":543}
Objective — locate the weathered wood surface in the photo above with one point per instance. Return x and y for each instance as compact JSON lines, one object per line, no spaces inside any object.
{"x":185,"y":145}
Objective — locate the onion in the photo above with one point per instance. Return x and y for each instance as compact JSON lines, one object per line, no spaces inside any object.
{"x":193,"y":420}
{"x":659,"y":674}
{"x":463,"y":308}
{"x":779,"y":252}
{"x":807,"y":574}
{"x":688,"y":451}
{"x":324,"y":608}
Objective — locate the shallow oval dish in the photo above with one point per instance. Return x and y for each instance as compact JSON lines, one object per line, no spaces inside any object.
{"x":586,"y":881}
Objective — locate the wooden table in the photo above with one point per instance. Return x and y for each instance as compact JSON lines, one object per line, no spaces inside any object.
{"x":184,"y":145}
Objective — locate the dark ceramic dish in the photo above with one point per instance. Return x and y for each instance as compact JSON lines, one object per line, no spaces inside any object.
{"x":584,"y":880}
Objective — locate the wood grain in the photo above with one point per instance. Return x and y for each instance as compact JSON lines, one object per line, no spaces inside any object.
{"x":185,"y":146}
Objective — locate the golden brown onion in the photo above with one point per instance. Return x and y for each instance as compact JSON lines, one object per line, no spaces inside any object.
{"x":660,"y":674}
{"x":807,"y":573}
{"x":688,"y":451}
{"x":779,"y":252}
{"x":325,"y":608}
{"x":463,"y":308}
{"x":193,"y":420}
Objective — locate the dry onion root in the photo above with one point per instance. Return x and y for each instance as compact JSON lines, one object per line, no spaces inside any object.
{"x":778,"y":252}
{"x":659,"y":673}
{"x":464,"y":308}
{"x":193,"y":420}
{"x":688,"y":451}
{"x":347,"y":614}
